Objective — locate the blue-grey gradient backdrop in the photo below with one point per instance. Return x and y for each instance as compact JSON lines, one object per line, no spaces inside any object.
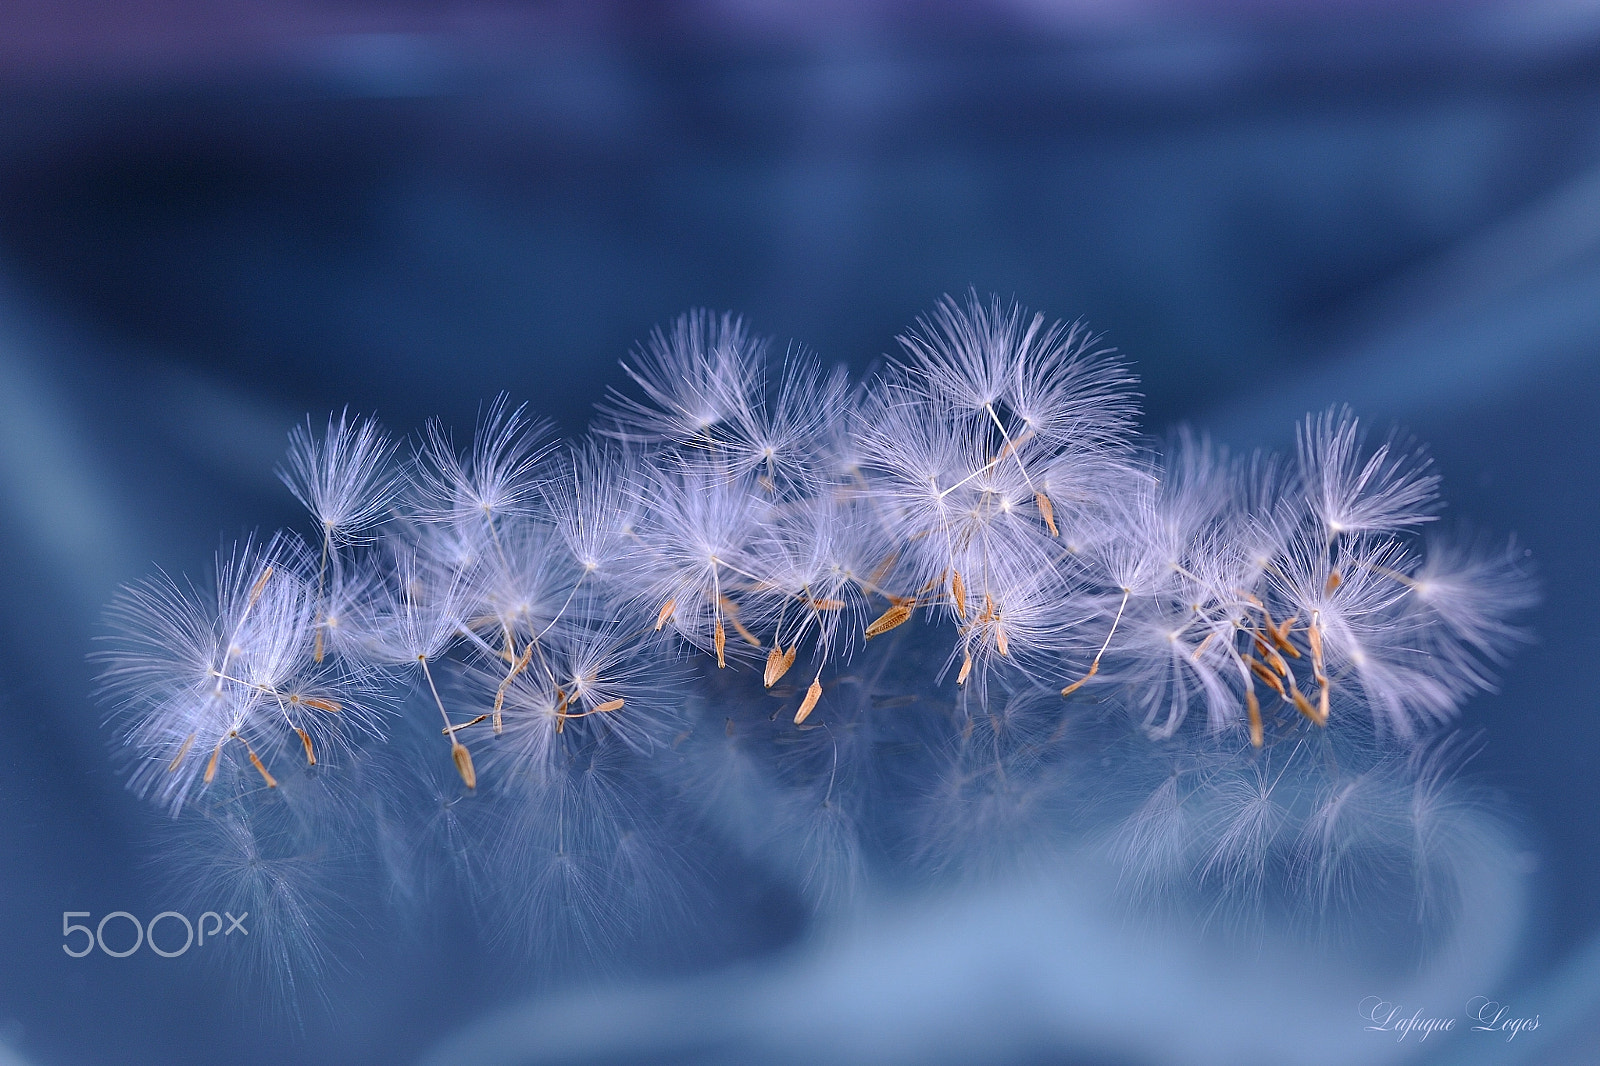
{"x":211,"y":224}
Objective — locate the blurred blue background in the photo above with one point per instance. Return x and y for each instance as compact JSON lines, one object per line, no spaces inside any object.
{"x":216,"y":218}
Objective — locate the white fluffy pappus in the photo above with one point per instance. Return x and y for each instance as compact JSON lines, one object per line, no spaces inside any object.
{"x":1278,"y":631}
{"x":222,"y":683}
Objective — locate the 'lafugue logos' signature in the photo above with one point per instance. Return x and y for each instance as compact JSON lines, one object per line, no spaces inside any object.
{"x":1391,"y":1018}
{"x":1491,"y":1016}
{"x":1483,"y":1015}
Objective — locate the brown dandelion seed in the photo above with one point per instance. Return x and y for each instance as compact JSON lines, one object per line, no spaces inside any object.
{"x":1253,"y":707}
{"x":1280,"y":635}
{"x":1270,"y":678}
{"x":1333,"y":582}
{"x":463,"y":760}
{"x":1304,"y":706}
{"x":500,"y":693}
{"x":749,"y":637}
{"x":813,"y":694}
{"x":1318,"y":667}
{"x":1048,"y":512}
{"x":881,"y":571}
{"x":732,"y":610}
{"x":211,"y":764}
{"x":1094,"y":668}
{"x":603,"y":708}
{"x":897,"y":615}
{"x":958,"y":590}
{"x":1012,"y":444}
{"x":183,"y":750}
{"x":719,"y":638}
{"x":255,"y":760}
{"x":261,"y":583}
{"x":1273,"y":659}
{"x":778,"y":663}
{"x":666,"y":613}
{"x":305,"y":742}
{"x":966,"y":668}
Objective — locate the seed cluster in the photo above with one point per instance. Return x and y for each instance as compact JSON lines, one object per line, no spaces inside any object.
{"x":989,"y":482}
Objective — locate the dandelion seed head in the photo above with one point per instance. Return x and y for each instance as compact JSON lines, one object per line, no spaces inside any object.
{"x":942,"y":576}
